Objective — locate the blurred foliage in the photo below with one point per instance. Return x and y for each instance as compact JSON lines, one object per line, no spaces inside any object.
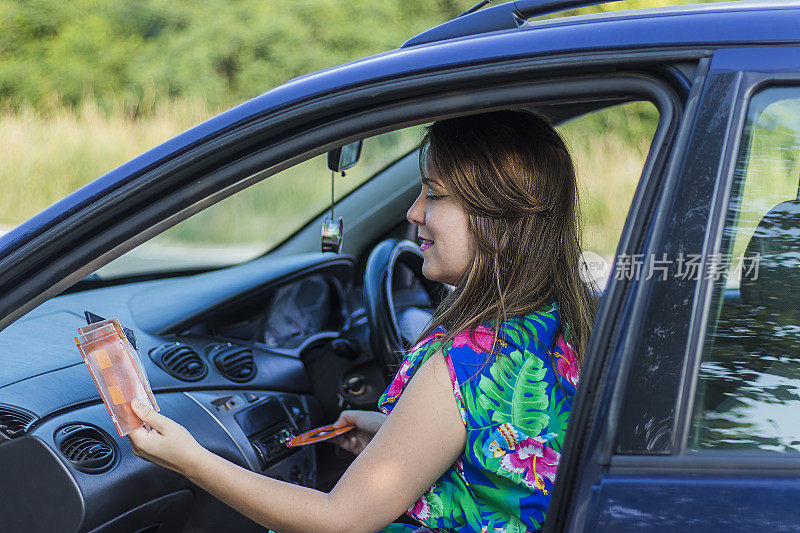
{"x":55,"y":53}
{"x":137,"y":52}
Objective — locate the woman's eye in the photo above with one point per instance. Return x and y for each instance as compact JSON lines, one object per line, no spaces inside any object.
{"x":434,"y":197}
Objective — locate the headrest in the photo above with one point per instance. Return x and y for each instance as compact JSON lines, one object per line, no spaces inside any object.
{"x":774,"y":255}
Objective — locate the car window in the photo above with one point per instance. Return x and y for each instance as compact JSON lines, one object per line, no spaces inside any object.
{"x":748,"y":389}
{"x":251,"y":222}
{"x":609,"y":148}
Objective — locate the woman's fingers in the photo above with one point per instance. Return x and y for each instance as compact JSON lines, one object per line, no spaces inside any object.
{"x":345,"y":418}
{"x":168,"y":444}
{"x":157,"y":421}
{"x":137,"y":437}
{"x":141,"y":442}
{"x":350,"y":441}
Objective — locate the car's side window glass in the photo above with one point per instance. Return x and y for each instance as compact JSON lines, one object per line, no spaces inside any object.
{"x":748,"y":388}
{"x":252,"y":221}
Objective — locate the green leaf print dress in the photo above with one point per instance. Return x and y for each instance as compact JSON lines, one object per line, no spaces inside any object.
{"x":515,"y":408}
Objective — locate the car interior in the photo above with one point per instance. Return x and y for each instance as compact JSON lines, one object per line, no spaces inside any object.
{"x":241,"y":354}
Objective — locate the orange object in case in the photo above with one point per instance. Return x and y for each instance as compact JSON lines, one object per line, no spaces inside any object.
{"x":117,"y":371}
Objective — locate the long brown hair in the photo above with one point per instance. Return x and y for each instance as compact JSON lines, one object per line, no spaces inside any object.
{"x":513,"y":175}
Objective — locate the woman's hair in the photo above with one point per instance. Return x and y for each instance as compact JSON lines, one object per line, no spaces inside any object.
{"x":512,"y":174}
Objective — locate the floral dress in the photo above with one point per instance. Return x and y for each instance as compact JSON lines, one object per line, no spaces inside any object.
{"x":515,"y":408}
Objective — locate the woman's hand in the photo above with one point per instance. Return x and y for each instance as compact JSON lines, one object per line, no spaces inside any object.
{"x":167,"y":443}
{"x":367,"y":425}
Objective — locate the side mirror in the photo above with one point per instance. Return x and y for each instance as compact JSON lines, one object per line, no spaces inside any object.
{"x":344,"y":157}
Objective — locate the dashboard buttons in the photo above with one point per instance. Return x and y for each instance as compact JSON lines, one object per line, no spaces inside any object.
{"x":225,"y":403}
{"x":250,"y":397}
{"x":285,"y":435}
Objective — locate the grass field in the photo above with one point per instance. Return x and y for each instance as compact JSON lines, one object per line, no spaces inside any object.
{"x":47,"y":156}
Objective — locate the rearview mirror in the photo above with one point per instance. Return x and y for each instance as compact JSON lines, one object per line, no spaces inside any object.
{"x":344,"y":157}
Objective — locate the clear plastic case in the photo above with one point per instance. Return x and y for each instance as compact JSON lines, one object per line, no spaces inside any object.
{"x":117,"y":370}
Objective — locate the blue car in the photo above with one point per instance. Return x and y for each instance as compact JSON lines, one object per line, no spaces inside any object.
{"x":688,"y":410}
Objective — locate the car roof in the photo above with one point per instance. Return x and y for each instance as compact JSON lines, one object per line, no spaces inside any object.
{"x":700,"y":26}
{"x":470,"y":28}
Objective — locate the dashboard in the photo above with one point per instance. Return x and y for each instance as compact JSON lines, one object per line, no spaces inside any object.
{"x":288,"y":316}
{"x":298,"y":310}
{"x":256,"y":365}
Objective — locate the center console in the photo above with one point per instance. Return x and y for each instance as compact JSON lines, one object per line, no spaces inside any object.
{"x":261,"y":424}
{"x":269,"y":428}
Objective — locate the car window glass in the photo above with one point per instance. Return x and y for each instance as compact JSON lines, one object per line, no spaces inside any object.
{"x":251,"y":222}
{"x":748,"y":389}
{"x":609,"y":147}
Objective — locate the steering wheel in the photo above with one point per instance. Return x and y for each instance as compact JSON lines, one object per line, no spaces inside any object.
{"x":397,"y":317}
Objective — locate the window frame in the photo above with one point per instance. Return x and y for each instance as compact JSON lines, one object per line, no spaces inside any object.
{"x":160,"y":197}
{"x":729,"y":236}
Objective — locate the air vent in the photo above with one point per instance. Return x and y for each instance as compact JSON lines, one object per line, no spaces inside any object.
{"x":88,"y":448}
{"x":234,"y":362}
{"x":14,"y":421}
{"x":180,"y":361}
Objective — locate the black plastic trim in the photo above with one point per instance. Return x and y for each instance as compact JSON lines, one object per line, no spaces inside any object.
{"x":503,"y":17}
{"x":158,"y":354}
{"x":715,"y":462}
{"x":19,"y":411}
{"x":66,"y":439}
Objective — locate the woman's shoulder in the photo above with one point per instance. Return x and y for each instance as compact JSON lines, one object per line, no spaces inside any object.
{"x":524,"y":332}
{"x":535,"y":334}
{"x":532,"y":331}
{"x":474,"y":350}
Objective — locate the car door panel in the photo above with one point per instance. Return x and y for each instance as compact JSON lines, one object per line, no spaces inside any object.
{"x":713,"y":503}
{"x":651,"y":480}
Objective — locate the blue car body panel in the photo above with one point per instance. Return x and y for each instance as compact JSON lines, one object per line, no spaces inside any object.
{"x":699,"y":26}
{"x":697,"y":503}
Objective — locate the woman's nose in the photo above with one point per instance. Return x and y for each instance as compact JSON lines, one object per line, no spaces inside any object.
{"x":416,"y":213}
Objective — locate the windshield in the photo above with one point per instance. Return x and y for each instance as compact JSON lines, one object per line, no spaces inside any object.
{"x":253,"y":221}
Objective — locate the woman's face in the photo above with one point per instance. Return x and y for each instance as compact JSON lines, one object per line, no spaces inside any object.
{"x":442,"y":232}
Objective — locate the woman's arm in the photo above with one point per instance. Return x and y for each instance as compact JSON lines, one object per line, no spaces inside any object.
{"x":419,"y":440}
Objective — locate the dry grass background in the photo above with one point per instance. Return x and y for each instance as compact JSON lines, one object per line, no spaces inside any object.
{"x":52,"y":150}
{"x":49,"y":155}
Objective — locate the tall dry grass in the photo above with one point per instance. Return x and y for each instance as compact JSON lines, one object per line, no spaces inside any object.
{"x":47,"y":156}
{"x":609,"y":149}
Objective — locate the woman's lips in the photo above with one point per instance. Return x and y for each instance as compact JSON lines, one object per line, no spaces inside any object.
{"x":424,"y":244}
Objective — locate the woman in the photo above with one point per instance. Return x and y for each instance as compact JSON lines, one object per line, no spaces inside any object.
{"x":478,"y":409}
